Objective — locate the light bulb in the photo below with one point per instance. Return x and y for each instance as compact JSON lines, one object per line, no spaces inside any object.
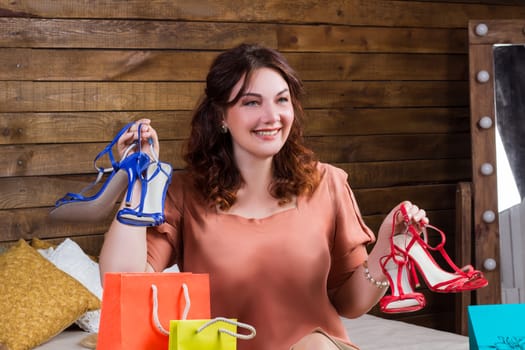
{"x":483,"y":76}
{"x":486,"y":169}
{"x":489,"y":216}
{"x":481,"y":29}
{"x":485,"y":122}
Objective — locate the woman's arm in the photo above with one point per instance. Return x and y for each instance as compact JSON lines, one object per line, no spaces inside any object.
{"x":359,"y":294}
{"x":125,"y":248}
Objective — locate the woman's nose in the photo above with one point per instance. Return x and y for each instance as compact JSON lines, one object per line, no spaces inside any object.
{"x":270,"y":113}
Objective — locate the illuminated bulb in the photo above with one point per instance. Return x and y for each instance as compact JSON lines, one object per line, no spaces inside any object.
{"x":481,"y":29}
{"x":487,"y":169}
{"x":489,"y":264}
{"x":489,"y":216}
{"x":485,"y":122}
{"x":483,"y":76}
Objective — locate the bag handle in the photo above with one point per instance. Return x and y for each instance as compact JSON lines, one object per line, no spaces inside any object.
{"x":233,"y":334}
{"x":155,"y":317}
{"x":155,"y":313}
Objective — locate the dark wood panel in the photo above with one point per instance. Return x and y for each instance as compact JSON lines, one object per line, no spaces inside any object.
{"x":90,"y":33}
{"x":63,"y":33}
{"x":80,"y":127}
{"x":34,"y":222}
{"x":381,"y":200}
{"x":376,"y":39}
{"x":410,"y":172}
{"x":370,"y":121}
{"x":77,"y":158}
{"x":31,"y":223}
{"x":25,"y":96}
{"x":355,"y":12}
{"x":389,"y":147}
{"x":171,"y":65}
{"x":386,"y":94}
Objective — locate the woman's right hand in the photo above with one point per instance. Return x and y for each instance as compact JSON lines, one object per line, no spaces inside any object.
{"x":146,"y":132}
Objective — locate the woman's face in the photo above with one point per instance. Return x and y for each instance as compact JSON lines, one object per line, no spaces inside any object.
{"x":261,"y":120}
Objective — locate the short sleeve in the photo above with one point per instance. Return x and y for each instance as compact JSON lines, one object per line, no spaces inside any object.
{"x":164,"y":241}
{"x":351,"y":233}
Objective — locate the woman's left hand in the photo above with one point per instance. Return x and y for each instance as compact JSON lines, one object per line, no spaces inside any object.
{"x":412,"y":213}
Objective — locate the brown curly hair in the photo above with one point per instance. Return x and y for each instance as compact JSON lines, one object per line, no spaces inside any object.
{"x":209,"y":152}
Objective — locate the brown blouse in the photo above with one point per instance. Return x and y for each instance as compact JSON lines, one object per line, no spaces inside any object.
{"x":274,"y":273}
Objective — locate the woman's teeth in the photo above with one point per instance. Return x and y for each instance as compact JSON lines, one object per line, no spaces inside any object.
{"x":267,"y":133}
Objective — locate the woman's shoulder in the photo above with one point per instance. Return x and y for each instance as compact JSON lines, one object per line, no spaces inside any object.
{"x":331,"y":173}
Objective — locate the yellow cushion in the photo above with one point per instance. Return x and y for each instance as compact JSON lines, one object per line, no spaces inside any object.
{"x":38,"y":243}
{"x":38,"y":300}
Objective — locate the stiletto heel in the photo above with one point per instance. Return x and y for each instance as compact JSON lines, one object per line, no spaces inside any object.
{"x":403,"y":298}
{"x":154,"y":178}
{"x":437,"y":279}
{"x":402,"y":278}
{"x":79,"y":207}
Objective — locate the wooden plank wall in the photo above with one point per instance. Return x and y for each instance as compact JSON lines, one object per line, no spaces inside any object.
{"x":386,"y":81}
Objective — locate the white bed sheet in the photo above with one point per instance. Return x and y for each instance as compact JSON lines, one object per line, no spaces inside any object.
{"x":368,"y":332}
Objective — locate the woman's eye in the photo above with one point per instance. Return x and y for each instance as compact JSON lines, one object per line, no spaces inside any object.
{"x":250,"y":103}
{"x":283,"y":99}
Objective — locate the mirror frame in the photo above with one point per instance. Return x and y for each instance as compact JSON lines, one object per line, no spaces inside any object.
{"x":483,"y":35}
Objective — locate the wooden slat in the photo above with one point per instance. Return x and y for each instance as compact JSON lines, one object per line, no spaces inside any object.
{"x":484,"y":187}
{"x":386,"y":94}
{"x":409,"y":172}
{"x":88,"y":33}
{"x":463,"y":249}
{"x":74,"y":158}
{"x":34,"y":222}
{"x":77,"y":158}
{"x":354,"y":12}
{"x":25,"y":96}
{"x":364,"y":39}
{"x":382,"y":200}
{"x":30,"y":192}
{"x":389,"y":147}
{"x":508,"y":31}
{"x":370,"y":121}
{"x":31,"y":223}
{"x":172,"y":65}
{"x":80,"y":127}
{"x":83,"y":33}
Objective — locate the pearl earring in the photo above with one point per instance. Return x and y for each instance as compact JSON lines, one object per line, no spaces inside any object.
{"x":224,"y":128}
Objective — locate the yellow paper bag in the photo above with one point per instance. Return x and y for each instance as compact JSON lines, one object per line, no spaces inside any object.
{"x":215,"y":334}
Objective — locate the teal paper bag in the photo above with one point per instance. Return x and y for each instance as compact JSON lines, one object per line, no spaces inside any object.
{"x":498,"y":326}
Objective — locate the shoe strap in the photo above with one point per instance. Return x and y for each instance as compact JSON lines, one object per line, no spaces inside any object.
{"x":109,"y":151}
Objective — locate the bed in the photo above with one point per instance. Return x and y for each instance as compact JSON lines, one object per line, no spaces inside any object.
{"x":43,"y":269}
{"x":368,"y":331}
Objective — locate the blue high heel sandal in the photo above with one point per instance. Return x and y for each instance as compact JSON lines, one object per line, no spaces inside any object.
{"x":154,"y":178}
{"x":81,"y":208}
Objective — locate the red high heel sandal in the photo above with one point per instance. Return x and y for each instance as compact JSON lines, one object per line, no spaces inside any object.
{"x":403,"y":298}
{"x":411,"y":251}
{"x":401,"y":276}
{"x":437,"y":279}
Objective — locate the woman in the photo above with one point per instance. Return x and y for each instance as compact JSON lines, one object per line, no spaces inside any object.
{"x":279,"y":232}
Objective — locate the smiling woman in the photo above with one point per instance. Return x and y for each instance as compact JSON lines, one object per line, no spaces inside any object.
{"x":254,"y":197}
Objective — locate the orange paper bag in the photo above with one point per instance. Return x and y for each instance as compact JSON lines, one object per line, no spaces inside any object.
{"x":133,"y":305}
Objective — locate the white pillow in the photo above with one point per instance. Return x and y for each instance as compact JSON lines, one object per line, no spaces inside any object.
{"x":70,"y":258}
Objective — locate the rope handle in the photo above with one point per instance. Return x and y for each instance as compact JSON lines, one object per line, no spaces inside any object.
{"x":156,"y":321}
{"x":233,"y":334}
{"x":155,"y":312}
